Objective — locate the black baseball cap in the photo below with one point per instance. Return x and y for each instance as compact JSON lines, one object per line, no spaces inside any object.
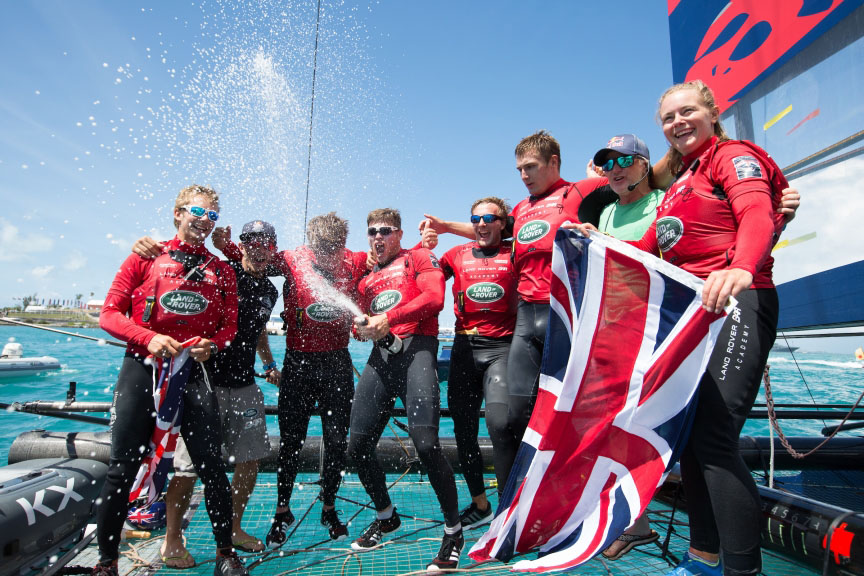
{"x":257,"y":228}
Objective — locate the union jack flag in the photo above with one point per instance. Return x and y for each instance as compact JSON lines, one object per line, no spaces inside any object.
{"x":626,"y":345}
{"x":141,"y":515}
{"x":168,"y":392}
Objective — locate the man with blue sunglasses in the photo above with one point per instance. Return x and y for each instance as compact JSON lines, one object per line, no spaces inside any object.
{"x":154,"y":305}
{"x":240,"y":400}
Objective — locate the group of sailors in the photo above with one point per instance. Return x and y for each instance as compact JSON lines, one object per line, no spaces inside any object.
{"x":719,"y":217}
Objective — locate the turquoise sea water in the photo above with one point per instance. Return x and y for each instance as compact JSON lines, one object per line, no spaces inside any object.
{"x":829,"y":378}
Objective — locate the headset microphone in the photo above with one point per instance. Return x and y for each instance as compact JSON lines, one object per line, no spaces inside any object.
{"x":633,"y":186}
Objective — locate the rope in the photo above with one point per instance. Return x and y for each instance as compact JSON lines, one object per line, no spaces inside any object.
{"x":769,"y":401}
{"x":771,"y":452}
{"x":311,"y":117}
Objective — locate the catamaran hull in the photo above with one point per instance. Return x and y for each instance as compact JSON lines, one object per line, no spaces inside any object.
{"x":396,"y":455}
{"x":801,"y":528}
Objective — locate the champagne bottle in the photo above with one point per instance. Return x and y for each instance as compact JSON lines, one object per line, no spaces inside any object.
{"x":390,"y":342}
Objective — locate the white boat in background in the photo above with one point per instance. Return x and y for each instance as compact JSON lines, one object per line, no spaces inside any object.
{"x":13,"y":363}
{"x":783,"y":347}
{"x":274,"y":326}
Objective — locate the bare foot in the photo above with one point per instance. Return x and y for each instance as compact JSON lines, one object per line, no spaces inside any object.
{"x":175,"y":555}
{"x":245,"y":542}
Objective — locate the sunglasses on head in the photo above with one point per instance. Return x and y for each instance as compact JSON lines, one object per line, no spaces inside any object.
{"x":199,"y":212}
{"x":622,"y":161}
{"x":487,"y":218}
{"x":383,"y":230}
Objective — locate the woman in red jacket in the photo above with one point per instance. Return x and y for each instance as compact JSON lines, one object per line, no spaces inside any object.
{"x":718,"y":221}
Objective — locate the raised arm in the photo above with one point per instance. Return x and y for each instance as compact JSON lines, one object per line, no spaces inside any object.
{"x":440,"y":226}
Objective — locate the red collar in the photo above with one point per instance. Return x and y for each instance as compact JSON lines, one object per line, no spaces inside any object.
{"x":687,"y":160}
{"x":561,"y":183}
{"x":177,"y":244}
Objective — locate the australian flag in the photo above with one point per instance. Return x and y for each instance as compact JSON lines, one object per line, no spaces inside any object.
{"x":626,"y":345}
{"x":168,"y":403}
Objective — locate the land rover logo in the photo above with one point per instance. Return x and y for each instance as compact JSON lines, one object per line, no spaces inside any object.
{"x":532,"y":231}
{"x":484,"y":292}
{"x":669,"y":232}
{"x":385,"y":301}
{"x":322,"y":312}
{"x":183,"y":302}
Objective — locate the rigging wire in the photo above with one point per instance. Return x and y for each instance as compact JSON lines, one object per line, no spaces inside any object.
{"x":311,"y":118}
{"x":800,"y":372}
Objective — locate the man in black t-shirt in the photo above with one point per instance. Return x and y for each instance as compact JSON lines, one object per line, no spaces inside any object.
{"x":241,"y":402}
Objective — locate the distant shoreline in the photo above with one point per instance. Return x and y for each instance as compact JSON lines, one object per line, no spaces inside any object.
{"x":59,"y":318}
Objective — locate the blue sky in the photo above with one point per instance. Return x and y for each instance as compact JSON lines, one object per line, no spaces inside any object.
{"x":109,"y":108}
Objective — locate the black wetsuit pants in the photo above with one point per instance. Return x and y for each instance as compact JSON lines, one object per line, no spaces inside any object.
{"x":478,"y":368}
{"x":324,"y":379}
{"x":722,"y":500}
{"x":411,"y":376}
{"x":523,"y":365}
{"x":132,"y":423}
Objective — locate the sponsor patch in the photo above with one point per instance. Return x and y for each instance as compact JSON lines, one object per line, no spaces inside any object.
{"x":532,"y":231}
{"x":615,"y":142}
{"x":250,"y":424}
{"x":747,"y":167}
{"x":183,"y":302}
{"x":385,"y":301}
{"x":669,"y":232}
{"x":434,"y":261}
{"x":484,"y":292}
{"x":320,"y":312}
{"x":250,"y":413}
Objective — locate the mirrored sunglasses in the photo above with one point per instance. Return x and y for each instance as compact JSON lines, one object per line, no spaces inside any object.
{"x":487,"y":218}
{"x":383,"y":230}
{"x":199,"y":212}
{"x":622,"y":161}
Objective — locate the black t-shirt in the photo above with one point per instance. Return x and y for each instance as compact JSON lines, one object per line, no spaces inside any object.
{"x":234,"y":366}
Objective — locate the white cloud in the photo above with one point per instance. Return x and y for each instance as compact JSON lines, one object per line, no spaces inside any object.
{"x":75,"y":261}
{"x":16,"y":246}
{"x":41,"y":271}
{"x":831,"y":206}
{"x":125,"y":241}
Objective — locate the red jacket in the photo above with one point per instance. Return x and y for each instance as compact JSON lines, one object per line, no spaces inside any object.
{"x":312,"y":322}
{"x":700,"y":231}
{"x":409,"y":289}
{"x":177,"y":307}
{"x":484,"y":289}
{"x":536,"y":220}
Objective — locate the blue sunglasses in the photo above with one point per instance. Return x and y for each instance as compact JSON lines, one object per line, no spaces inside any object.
{"x":199,"y":212}
{"x":622,"y":161}
{"x":487,"y":218}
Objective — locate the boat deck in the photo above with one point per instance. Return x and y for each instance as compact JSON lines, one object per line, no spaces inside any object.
{"x":310,"y":552}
